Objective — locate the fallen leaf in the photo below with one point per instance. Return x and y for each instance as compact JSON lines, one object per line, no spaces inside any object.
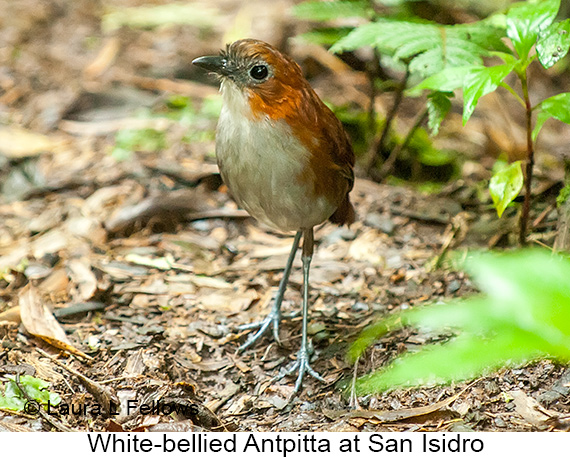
{"x":529,"y":409}
{"x":11,"y":315}
{"x":40,"y":322}
{"x":18,"y":143}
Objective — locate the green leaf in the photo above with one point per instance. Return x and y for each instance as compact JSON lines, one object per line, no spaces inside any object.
{"x":447,"y":80}
{"x":325,"y":36}
{"x":129,"y":140}
{"x":524,"y":315}
{"x":428,"y":47}
{"x":37,"y":389}
{"x":482,"y":81}
{"x":525,"y":20}
{"x":553,"y":43}
{"x":438,"y":105}
{"x":330,"y":10}
{"x":558,"y":107}
{"x":541,"y":118}
{"x":505,"y":185}
{"x":432,"y":365}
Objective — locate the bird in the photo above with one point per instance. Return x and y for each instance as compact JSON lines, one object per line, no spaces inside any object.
{"x":285,"y":158}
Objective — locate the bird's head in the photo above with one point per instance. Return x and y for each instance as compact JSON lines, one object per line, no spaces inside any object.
{"x":270,"y":81}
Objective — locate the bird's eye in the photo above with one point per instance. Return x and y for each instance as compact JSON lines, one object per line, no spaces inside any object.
{"x":259,"y":72}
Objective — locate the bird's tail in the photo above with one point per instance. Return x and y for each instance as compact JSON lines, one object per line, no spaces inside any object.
{"x":344,"y":214}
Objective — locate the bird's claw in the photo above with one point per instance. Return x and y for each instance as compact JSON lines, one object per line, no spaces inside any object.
{"x":273,"y":317}
{"x":302,"y":365}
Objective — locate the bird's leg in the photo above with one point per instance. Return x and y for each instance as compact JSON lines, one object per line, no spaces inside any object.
{"x":274,"y":315}
{"x":302,"y":364}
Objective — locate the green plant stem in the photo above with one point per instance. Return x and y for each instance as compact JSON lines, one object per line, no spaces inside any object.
{"x":513,"y":92}
{"x":529,"y":163}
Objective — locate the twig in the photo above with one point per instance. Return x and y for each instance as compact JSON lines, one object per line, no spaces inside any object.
{"x":102,"y":394}
{"x":391,"y":160}
{"x":373,"y":70}
{"x":353,"y":397}
{"x":378,"y":146}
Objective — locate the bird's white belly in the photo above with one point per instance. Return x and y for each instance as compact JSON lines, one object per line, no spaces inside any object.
{"x":261,"y":162}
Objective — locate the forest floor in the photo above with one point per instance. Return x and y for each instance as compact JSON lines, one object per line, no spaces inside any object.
{"x":113,"y":219}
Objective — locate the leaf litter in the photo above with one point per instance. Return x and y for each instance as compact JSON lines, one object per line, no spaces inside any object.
{"x":149,"y":266}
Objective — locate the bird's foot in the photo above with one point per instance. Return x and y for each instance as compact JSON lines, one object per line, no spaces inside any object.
{"x":302,"y":366}
{"x":272,"y":318}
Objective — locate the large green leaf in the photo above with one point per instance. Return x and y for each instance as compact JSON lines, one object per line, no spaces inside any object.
{"x":524,"y":315}
{"x":481,"y":81}
{"x":525,"y":20}
{"x":428,"y":47}
{"x":553,"y":43}
{"x":438,"y":364}
{"x":505,"y":185}
{"x":330,"y":10}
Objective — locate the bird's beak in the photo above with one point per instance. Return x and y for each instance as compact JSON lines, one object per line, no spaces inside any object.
{"x":217,"y":64}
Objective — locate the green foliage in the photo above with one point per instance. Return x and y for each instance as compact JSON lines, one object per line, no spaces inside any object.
{"x":525,"y":20}
{"x":422,"y":147}
{"x":563,"y":195}
{"x":553,"y":43}
{"x":448,"y":58}
{"x":505,"y":185}
{"x":446,"y":80}
{"x":481,"y":81}
{"x":129,"y":140}
{"x":37,"y":389}
{"x":177,"y":109}
{"x":326,"y":35}
{"x":438,"y":104}
{"x":557,"y":107}
{"x":524,"y":315}
{"x":330,"y":10}
{"x":428,"y":47}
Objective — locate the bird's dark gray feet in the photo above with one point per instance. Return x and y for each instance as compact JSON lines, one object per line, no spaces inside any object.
{"x":274,"y":316}
{"x":302,"y":366}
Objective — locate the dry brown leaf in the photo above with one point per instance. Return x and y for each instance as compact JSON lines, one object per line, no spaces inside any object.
{"x":50,"y":243}
{"x":40,"y":322}
{"x":18,"y":143}
{"x":11,"y":315}
{"x":55,"y":283}
{"x":529,"y":409}
{"x":104,"y":59}
{"x":227,"y":301}
{"x":369,"y":247}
